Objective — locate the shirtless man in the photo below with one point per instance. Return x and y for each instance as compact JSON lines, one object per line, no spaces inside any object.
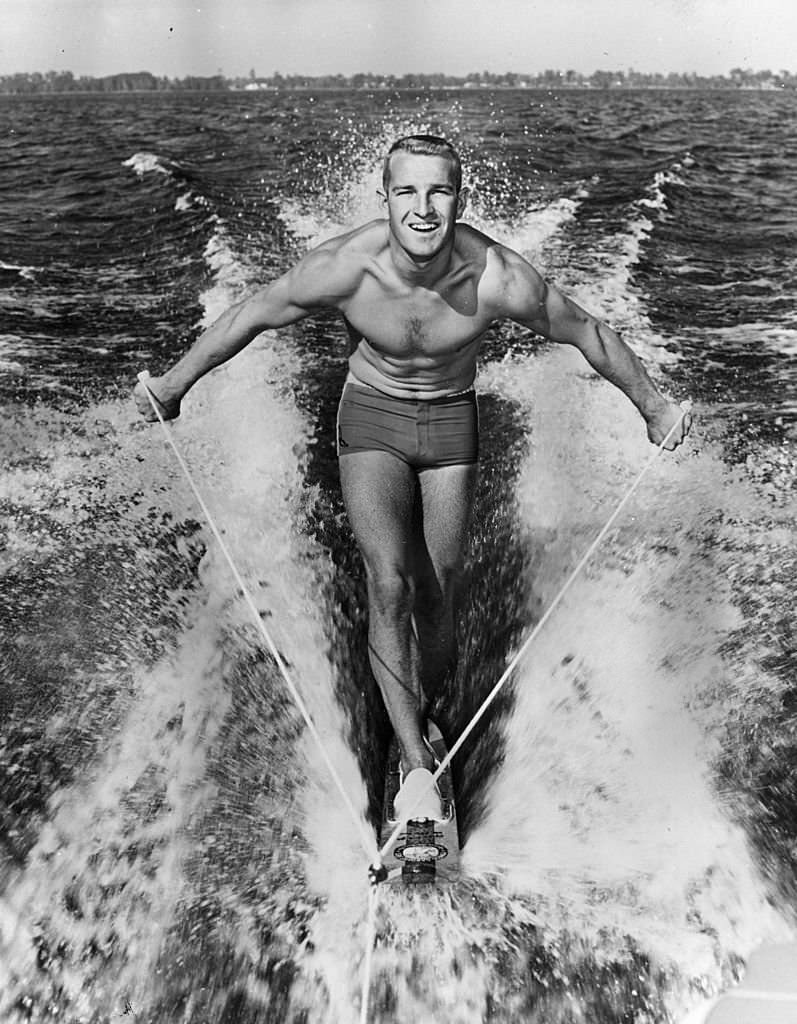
{"x":417,"y":291}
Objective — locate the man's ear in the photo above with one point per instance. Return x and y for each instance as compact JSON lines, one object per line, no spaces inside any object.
{"x":462,"y":201}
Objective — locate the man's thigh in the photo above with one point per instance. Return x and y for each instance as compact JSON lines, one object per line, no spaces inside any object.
{"x":447,"y":495}
{"x":379,"y":492}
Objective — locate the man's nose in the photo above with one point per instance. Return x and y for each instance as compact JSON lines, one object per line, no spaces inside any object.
{"x":423,"y":204}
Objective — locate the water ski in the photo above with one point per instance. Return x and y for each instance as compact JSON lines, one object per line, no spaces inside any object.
{"x":425,"y":850}
{"x":767,"y":994}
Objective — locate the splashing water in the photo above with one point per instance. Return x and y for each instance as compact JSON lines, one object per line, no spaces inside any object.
{"x":604,"y":823}
{"x":197,"y":865}
{"x":605,"y":806}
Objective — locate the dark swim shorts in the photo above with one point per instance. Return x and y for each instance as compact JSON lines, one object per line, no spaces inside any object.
{"x":423,"y":433}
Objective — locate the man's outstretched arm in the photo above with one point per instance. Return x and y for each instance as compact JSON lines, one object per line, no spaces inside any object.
{"x":547,"y":311}
{"x":295,"y":295}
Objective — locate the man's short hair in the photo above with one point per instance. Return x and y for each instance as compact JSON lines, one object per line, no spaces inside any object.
{"x":424,"y":145}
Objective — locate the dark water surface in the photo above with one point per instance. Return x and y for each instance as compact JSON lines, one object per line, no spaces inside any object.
{"x":171,"y":848}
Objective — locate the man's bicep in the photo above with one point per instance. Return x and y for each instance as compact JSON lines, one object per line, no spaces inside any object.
{"x":276,"y":305}
{"x":320,"y":280}
{"x":295,"y":295}
{"x":548,"y":311}
{"x":524,"y":294}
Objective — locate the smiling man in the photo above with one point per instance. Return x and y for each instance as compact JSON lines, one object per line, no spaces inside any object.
{"x":417,"y":291}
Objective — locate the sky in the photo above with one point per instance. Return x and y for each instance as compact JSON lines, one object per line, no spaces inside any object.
{"x":315,"y":37}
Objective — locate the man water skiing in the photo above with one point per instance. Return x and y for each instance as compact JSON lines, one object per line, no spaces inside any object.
{"x":417,"y":290}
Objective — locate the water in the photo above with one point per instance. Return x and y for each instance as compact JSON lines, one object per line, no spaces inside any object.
{"x":172,"y":848}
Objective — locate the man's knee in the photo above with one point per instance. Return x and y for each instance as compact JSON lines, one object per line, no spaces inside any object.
{"x":391,"y":589}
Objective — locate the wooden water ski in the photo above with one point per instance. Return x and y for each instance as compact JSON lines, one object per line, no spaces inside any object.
{"x":425,"y":851}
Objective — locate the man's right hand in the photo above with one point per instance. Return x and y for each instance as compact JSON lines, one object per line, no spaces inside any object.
{"x":669,"y":421}
{"x":169,"y":409}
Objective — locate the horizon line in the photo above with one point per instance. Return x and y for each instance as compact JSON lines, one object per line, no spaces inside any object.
{"x":252,"y":75}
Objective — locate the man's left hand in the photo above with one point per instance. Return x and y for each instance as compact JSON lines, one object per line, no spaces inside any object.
{"x":663,"y":422}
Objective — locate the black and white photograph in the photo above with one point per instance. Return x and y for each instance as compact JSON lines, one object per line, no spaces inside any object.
{"x":398,"y":407}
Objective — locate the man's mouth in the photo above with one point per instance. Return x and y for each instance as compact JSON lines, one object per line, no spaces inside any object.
{"x":424,"y":229}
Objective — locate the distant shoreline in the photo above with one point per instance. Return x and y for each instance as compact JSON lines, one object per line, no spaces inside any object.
{"x":270,"y":91}
{"x":60,"y":83}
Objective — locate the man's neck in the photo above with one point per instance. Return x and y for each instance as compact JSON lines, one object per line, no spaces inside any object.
{"x":421,"y":273}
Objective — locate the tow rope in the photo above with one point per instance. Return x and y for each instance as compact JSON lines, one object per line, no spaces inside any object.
{"x":376,"y":870}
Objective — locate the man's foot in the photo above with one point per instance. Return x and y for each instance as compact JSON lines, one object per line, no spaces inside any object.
{"x":418,"y":797}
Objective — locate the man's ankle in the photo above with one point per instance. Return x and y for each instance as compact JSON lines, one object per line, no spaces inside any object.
{"x":410,"y":764}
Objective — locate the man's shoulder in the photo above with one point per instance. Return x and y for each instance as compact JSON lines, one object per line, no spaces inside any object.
{"x":336,"y":266}
{"x":509,"y":286}
{"x":366,"y":240}
{"x":501,"y":263}
{"x":473,"y":243}
{"x":469,"y":239}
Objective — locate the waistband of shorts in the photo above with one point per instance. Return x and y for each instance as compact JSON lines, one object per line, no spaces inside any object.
{"x":353,"y":381}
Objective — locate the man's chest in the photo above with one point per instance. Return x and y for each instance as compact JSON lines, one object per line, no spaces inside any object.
{"x":416,"y":322}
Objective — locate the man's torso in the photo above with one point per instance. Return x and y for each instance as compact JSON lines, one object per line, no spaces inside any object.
{"x":416,"y":341}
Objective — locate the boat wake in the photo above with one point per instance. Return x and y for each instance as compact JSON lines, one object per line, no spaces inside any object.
{"x":190,"y":860}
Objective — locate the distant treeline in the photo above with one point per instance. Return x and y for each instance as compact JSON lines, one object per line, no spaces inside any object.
{"x":143,"y":81}
{"x":139,"y":81}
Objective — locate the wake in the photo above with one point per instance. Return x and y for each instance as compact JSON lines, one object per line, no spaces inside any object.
{"x":202,"y":866}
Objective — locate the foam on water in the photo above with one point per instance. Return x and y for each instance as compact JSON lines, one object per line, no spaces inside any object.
{"x":205,"y":836}
{"x":293,"y":571}
{"x":605,"y":813}
{"x":154,"y":789}
{"x":609,"y":289}
{"x":14,"y":270}
{"x":244,"y":438}
{"x":778,"y":338}
{"x":148,"y":163}
{"x":605,"y":807}
{"x":84,"y":863}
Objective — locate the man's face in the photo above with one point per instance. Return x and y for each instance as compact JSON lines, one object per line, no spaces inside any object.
{"x":422,"y":203}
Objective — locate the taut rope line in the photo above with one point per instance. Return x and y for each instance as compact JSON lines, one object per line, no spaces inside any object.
{"x":366,"y":840}
{"x":685,"y":408}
